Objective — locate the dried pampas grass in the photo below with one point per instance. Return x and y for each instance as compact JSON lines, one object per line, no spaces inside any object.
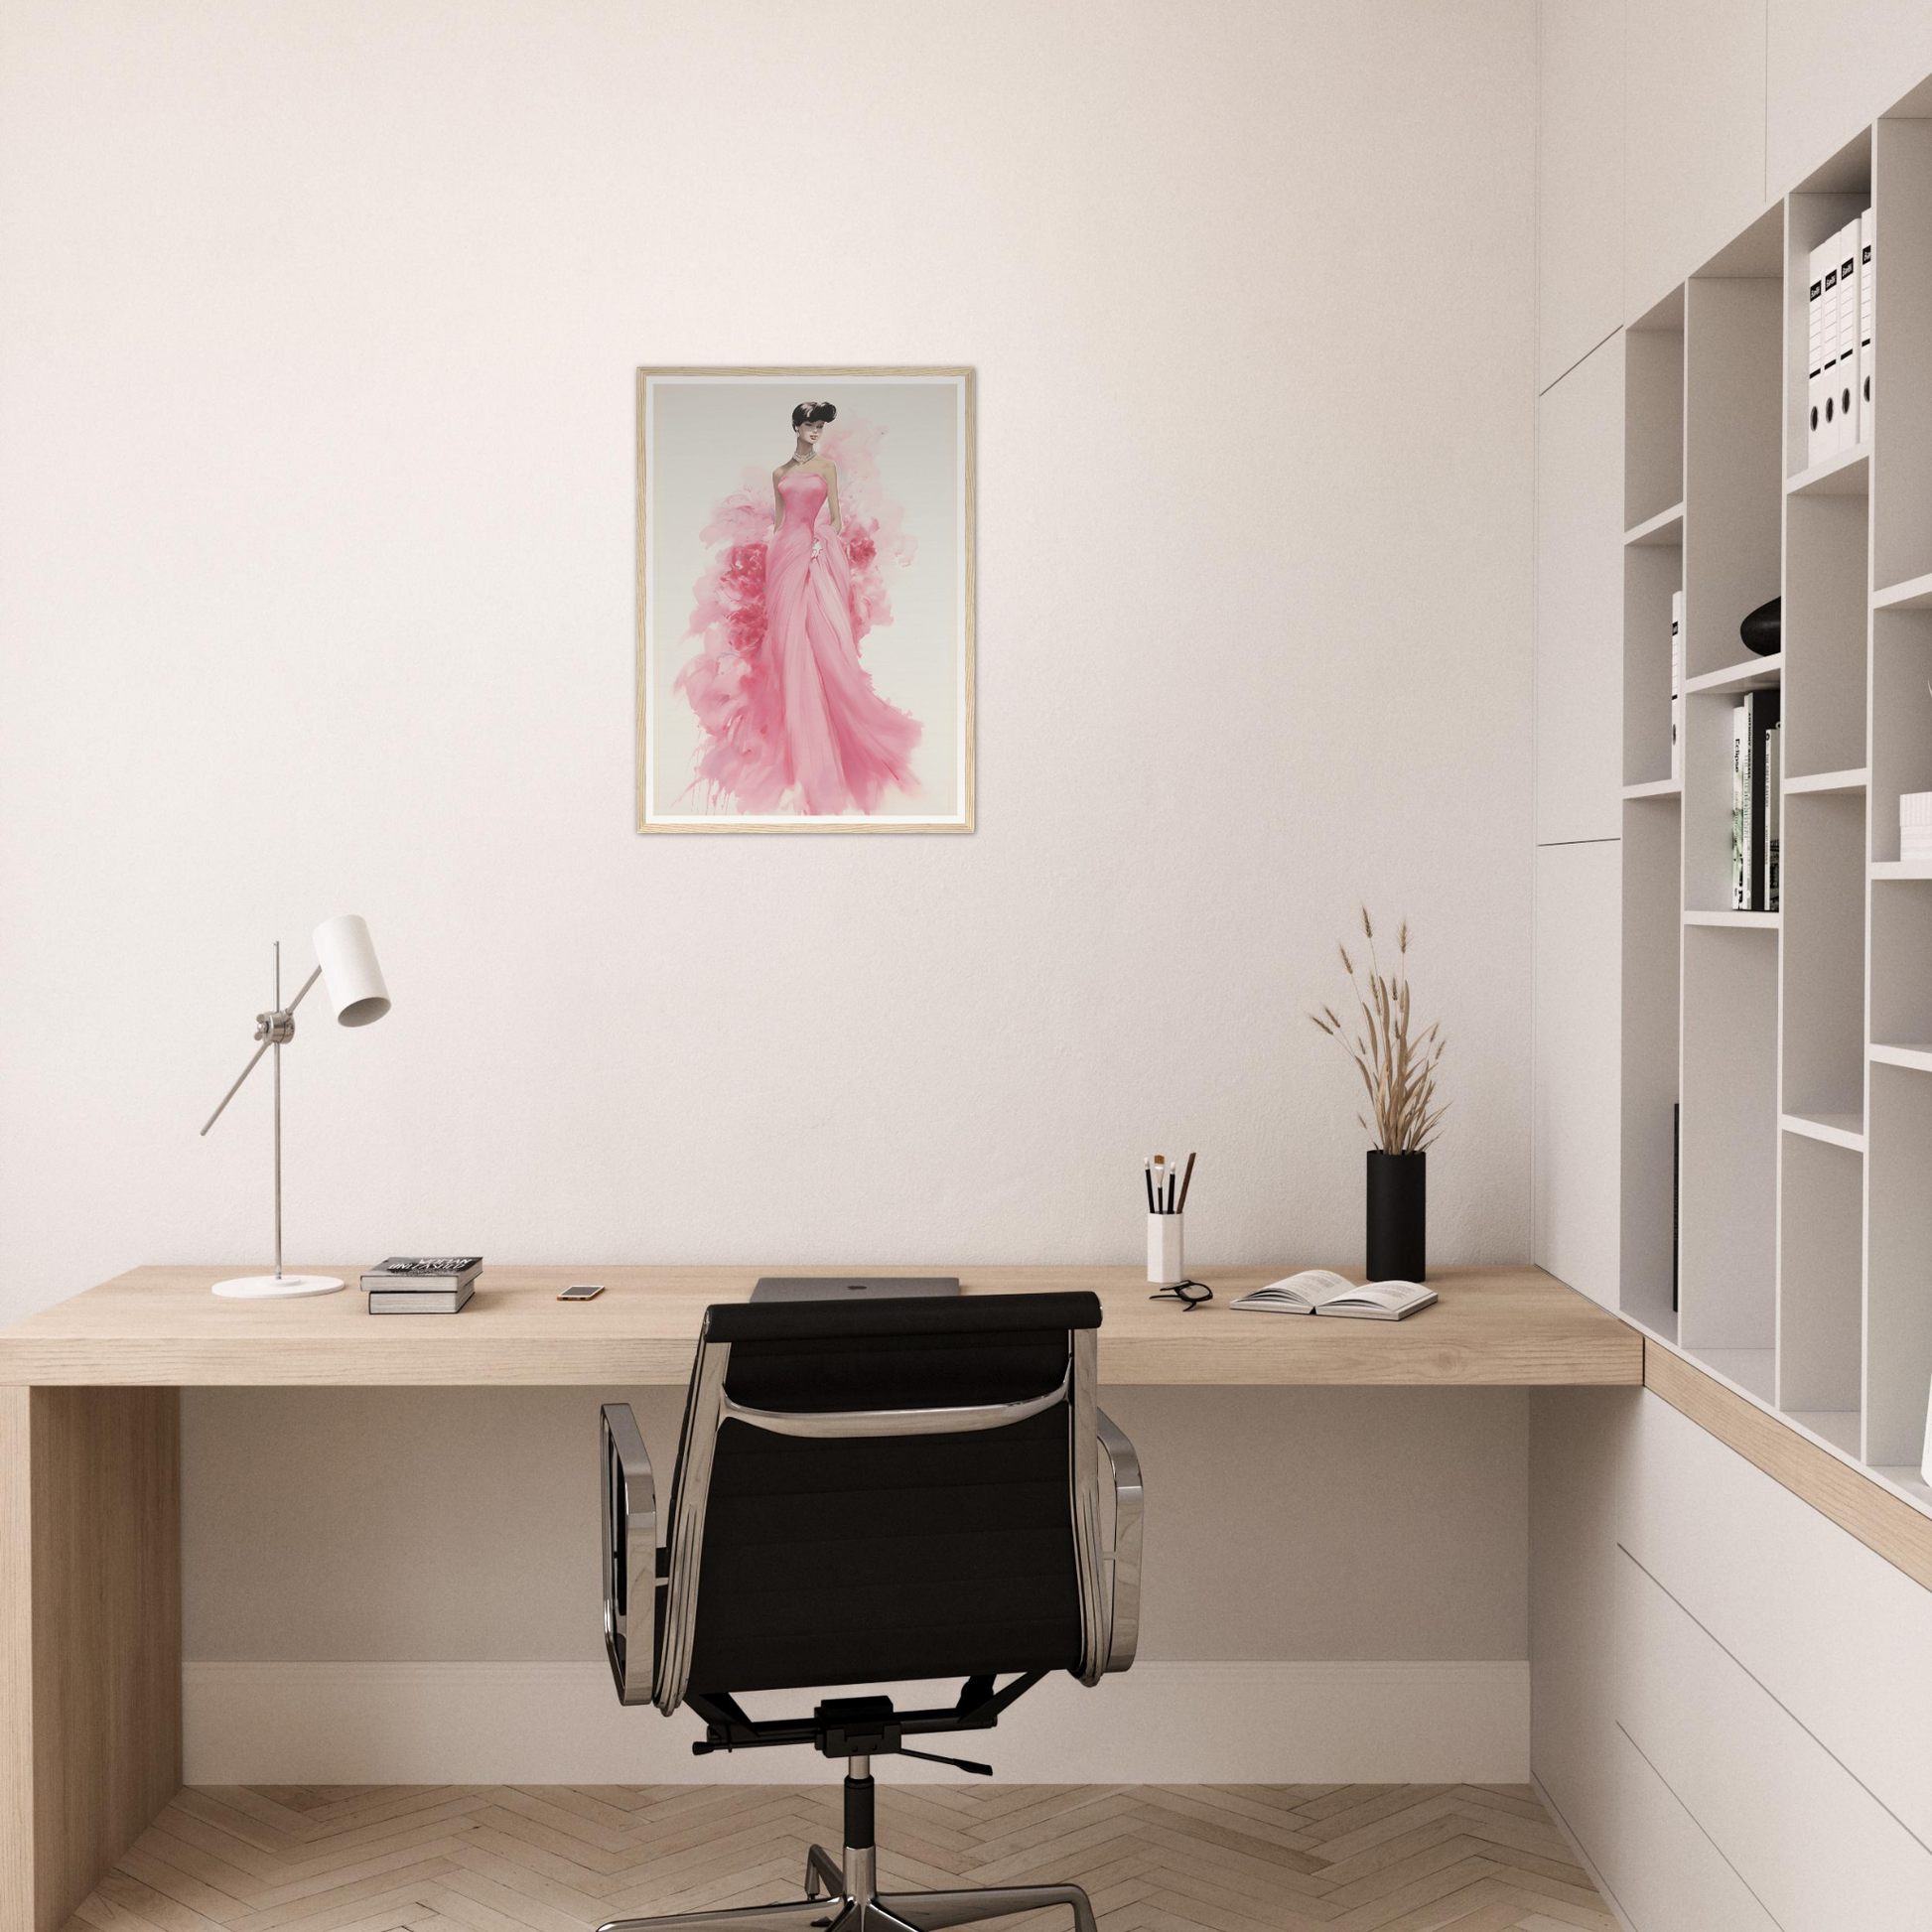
{"x":1398,"y":1071}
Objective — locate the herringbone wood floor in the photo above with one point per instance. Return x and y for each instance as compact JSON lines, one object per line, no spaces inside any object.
{"x":561,"y":1857}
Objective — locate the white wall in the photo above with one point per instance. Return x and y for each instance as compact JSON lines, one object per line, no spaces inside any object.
{"x":316,"y":491}
{"x":316,"y":339}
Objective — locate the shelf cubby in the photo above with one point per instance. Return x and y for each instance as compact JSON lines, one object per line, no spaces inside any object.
{"x":1652,"y":573}
{"x":1730,"y":1083}
{"x":1825,"y":612}
{"x":1733,"y":480}
{"x":1898,"y":1312}
{"x":1901,"y":400}
{"x":1652,"y":952}
{"x":1653,"y":435}
{"x":1901,"y":719}
{"x":1901,"y":964}
{"x":1707,"y":803}
{"x":1823,"y":922}
{"x":1821,"y":1256}
{"x":1812,"y":215}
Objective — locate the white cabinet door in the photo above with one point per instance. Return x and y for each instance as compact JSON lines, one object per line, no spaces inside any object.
{"x":1783,"y":1588}
{"x":1577,"y":1446}
{"x":1579,"y":602}
{"x":1659,"y":1864}
{"x":1835,"y":64}
{"x":1578,"y":180}
{"x":1693,"y":137}
{"x":1815,"y":1846}
{"x":1575,"y":1114}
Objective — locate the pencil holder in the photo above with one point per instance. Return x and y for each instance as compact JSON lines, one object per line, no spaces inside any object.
{"x":1164,"y":1249}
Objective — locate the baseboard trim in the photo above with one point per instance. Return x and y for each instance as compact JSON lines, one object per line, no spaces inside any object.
{"x":560,"y":1723}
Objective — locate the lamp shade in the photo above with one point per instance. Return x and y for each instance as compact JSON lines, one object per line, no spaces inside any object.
{"x":350,"y":975}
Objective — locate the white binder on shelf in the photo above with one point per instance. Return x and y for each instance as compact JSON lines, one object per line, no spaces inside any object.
{"x":1828,"y":435}
{"x":1866,"y":305}
{"x":1848,"y":336}
{"x":1816,"y":309}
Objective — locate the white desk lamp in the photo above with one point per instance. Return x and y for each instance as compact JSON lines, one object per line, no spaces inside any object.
{"x":352,"y":981}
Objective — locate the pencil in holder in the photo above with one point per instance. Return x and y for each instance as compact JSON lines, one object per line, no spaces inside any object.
{"x":1164,"y":1264}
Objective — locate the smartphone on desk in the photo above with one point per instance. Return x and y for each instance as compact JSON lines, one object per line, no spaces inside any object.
{"x":582,"y":1291}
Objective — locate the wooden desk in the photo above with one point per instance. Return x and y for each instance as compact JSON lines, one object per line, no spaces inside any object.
{"x":161,"y":1328}
{"x":89,"y":1462}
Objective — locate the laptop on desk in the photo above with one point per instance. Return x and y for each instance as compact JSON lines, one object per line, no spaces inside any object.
{"x":851,"y":1287}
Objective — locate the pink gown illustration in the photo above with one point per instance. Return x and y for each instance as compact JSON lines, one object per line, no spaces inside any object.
{"x":789,"y":718}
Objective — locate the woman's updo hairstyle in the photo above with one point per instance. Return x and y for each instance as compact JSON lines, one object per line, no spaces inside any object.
{"x":812,"y":412}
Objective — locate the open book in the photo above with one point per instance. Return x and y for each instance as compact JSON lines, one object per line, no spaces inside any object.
{"x":1320,"y":1291}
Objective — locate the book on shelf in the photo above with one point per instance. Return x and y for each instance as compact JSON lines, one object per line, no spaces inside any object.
{"x":1677,"y":687}
{"x":420,"y":1301}
{"x":1741,"y":811}
{"x":1774,"y":812}
{"x":1676,"y":1193}
{"x":1320,"y":1291}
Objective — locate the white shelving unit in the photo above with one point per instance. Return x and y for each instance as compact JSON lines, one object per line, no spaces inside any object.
{"x":1797,"y":1043}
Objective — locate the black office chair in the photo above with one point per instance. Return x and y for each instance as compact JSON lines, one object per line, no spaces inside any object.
{"x":866,"y":1494}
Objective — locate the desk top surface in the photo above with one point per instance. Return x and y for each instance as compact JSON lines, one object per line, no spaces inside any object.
{"x":160,"y":1326}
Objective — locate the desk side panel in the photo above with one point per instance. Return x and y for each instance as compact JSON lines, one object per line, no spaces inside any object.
{"x":16,"y":1665}
{"x":103,"y":1540}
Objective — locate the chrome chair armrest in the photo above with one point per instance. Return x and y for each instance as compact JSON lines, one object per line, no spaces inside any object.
{"x":629,"y":1555}
{"x":1123,"y":1559}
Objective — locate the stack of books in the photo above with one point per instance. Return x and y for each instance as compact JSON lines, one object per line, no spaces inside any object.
{"x":1755,"y":832}
{"x":422,"y":1284}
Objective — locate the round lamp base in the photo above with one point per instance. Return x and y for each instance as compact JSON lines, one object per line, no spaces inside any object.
{"x":276,"y":1288}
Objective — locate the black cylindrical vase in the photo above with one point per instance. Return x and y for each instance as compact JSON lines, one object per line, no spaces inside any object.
{"x":1398,"y":1216}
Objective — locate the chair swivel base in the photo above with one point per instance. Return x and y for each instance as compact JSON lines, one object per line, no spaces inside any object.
{"x":850,"y":1904}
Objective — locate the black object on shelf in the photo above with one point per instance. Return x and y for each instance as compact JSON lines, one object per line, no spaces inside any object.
{"x":1676,"y":1192}
{"x":1763,"y":630}
{"x":1398,"y":1216}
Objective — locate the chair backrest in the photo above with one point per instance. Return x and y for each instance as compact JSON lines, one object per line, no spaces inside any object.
{"x":884,"y":1491}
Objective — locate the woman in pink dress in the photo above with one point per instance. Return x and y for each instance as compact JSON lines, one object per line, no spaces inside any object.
{"x":790,"y":717}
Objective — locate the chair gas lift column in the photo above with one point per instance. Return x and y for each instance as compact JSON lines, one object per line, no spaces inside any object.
{"x":866,"y":1494}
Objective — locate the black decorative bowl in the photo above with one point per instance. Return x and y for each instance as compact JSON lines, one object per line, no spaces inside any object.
{"x":1763,"y":630}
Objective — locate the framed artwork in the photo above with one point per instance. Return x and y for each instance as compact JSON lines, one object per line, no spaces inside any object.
{"x":804,"y":599}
